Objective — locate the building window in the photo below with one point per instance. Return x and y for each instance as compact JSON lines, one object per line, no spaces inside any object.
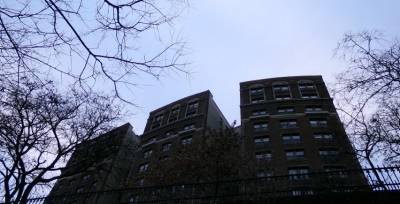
{"x":259,"y":112}
{"x":258,"y":127}
{"x":157,"y":121}
{"x":281,"y":90}
{"x":147,"y":153}
{"x":192,"y":108}
{"x":186,"y":141}
{"x":323,"y":136}
{"x":151,"y":140}
{"x":264,"y":173}
{"x":328,"y":152}
{"x":318,"y":122}
{"x":307,"y":89}
{"x":298,"y":173}
{"x":169,"y":133}
{"x":143,"y":167}
{"x":94,"y":185}
{"x":313,"y":109}
{"x":166,"y":147}
{"x":283,"y":110}
{"x":261,"y":140}
{"x":257,"y":94}
{"x":292,"y":138}
{"x":140,"y":182}
{"x":189,"y":127}
{"x":80,"y":190}
{"x":295,"y":154}
{"x":164,"y":158}
{"x":292,"y":123}
{"x":263,"y":156}
{"x":301,"y":192}
{"x":335,"y":171}
{"x":174,"y":115}
{"x":86,"y":177}
{"x":133,"y":199}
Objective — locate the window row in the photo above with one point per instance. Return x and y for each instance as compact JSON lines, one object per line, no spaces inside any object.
{"x":286,"y":110}
{"x":191,"y":110}
{"x":281,"y":91}
{"x":294,"y":138}
{"x":290,"y":123}
{"x":186,"y":128}
{"x":167,"y":146}
{"x":295,"y":154}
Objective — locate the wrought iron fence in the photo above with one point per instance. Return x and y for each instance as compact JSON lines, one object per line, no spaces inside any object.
{"x":363,"y":180}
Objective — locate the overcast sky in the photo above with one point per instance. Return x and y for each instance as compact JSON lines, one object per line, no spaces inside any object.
{"x":231,"y":41}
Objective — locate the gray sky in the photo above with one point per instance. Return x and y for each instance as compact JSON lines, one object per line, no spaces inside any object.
{"x":231,"y":41}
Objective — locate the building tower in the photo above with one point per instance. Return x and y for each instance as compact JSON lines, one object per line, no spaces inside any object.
{"x":178,"y":123}
{"x":291,"y":126}
{"x":97,"y":165}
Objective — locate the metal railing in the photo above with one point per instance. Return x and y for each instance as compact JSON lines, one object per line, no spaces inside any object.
{"x":382,"y":179}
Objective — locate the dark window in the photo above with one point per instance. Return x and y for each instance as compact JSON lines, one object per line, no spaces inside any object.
{"x":157,"y":121}
{"x":94,"y":185}
{"x":323,"y":136}
{"x":309,"y":95}
{"x":186,"y":141}
{"x":328,"y":152}
{"x":311,"y":109}
{"x":264,"y":173}
{"x":164,"y":158}
{"x":259,"y":112}
{"x":166,"y":147}
{"x":173,"y":115}
{"x":151,"y":140}
{"x":147,"y":153}
{"x":260,"y":127}
{"x":80,"y":190}
{"x":263,"y":156}
{"x":281,"y":91}
{"x":298,"y":173}
{"x":292,"y":123}
{"x":292,"y":138}
{"x":169,"y":133}
{"x":143,"y":167}
{"x":286,"y":110}
{"x":86,"y":177}
{"x":319,"y":122}
{"x":261,"y":140}
{"x":192,"y":108}
{"x":257,"y":95}
{"x":295,"y":154}
{"x":189,"y":127}
{"x":307,"y":89}
{"x":140,"y":182}
{"x":335,"y":171}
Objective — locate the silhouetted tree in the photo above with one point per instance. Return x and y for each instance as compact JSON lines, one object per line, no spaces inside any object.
{"x":89,"y":41}
{"x":215,"y":157}
{"x":368,"y":94}
{"x":39,"y":128}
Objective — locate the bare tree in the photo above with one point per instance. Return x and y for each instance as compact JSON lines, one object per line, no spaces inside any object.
{"x":367,"y":137}
{"x":367,"y":94}
{"x":213,"y":158}
{"x":90,"y":41}
{"x":40,"y":128}
{"x":388,"y":118}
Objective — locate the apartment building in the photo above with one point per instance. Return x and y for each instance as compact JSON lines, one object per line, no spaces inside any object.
{"x":290,"y":125}
{"x":98,"y":165}
{"x":179,"y":123}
